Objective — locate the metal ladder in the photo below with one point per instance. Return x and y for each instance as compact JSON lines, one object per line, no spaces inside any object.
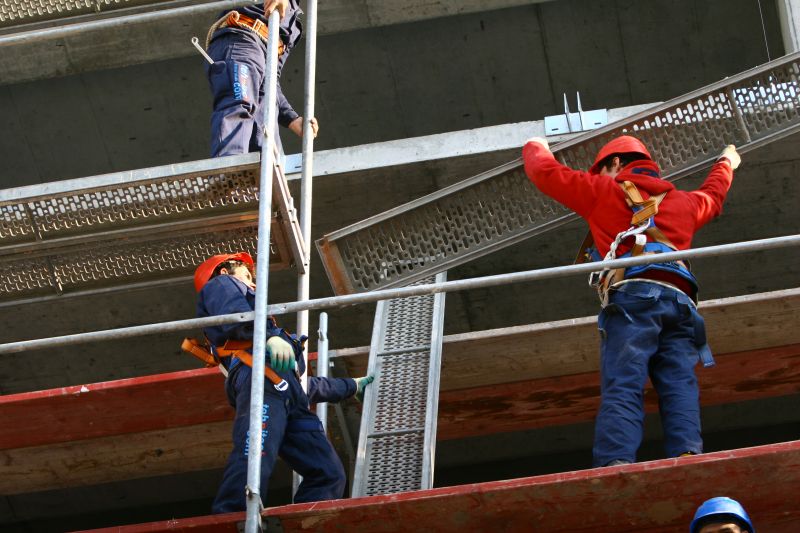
{"x":397,"y":440}
{"x":498,"y":208}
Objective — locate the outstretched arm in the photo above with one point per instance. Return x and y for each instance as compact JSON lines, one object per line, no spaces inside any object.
{"x":575,"y":189}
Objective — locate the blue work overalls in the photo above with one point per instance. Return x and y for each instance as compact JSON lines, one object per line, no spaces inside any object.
{"x":236,"y":80}
{"x":648,"y":329}
{"x":290,"y":429}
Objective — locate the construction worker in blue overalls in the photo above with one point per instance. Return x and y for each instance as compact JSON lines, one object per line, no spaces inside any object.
{"x":225,"y":285}
{"x":237,"y":45}
{"x":649,"y":324}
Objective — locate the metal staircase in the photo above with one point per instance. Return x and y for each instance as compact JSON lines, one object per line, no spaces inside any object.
{"x":500,"y":207}
{"x":397,"y":441}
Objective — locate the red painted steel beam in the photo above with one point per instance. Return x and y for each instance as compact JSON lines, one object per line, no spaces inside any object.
{"x":657,"y":497}
{"x":737,"y":377}
{"x":113,"y":408}
{"x":196,"y":397}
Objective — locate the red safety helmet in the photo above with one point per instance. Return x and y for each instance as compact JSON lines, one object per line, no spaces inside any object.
{"x":207,"y":267}
{"x":624,"y":144}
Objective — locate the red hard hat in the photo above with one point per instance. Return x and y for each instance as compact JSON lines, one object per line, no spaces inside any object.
{"x":624,"y":144}
{"x":207,"y":267}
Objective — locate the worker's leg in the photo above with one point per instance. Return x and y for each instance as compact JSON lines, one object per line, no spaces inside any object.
{"x":309,"y":452}
{"x":231,"y":496}
{"x":673,"y":376}
{"x":235,"y":79}
{"x":629,"y":329}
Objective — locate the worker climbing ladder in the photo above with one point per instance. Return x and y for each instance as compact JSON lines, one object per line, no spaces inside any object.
{"x":498,"y":208}
{"x":397,"y":441}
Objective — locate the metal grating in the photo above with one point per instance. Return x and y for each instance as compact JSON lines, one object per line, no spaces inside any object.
{"x":14,"y":12}
{"x":500,"y":207}
{"x":398,"y":424}
{"x":133,"y":227}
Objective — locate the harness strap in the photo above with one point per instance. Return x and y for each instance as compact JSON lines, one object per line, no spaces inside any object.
{"x":231,"y":348}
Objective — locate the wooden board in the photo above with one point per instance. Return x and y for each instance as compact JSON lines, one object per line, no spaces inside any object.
{"x":120,"y":457}
{"x":532,"y":404}
{"x":109,"y":408}
{"x":657,"y":496}
{"x":571,"y":346}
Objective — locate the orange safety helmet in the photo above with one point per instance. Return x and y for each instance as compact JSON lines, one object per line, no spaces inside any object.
{"x":624,"y":144}
{"x":207,"y":267}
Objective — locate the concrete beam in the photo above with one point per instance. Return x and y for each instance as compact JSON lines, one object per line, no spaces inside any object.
{"x":141,"y":35}
{"x":789,"y":14}
{"x":440,"y":147}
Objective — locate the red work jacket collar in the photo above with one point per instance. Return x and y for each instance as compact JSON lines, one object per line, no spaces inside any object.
{"x":646,"y":176}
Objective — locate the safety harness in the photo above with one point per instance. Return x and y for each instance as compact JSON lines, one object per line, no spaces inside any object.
{"x":234,"y":19}
{"x":642,"y":227}
{"x":211,"y":356}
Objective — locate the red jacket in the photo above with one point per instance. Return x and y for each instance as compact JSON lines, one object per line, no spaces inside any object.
{"x":600,"y":200}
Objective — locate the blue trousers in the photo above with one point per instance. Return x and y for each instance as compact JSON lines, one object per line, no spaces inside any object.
{"x":291,"y":431}
{"x":648,"y":330}
{"x":236,"y":80}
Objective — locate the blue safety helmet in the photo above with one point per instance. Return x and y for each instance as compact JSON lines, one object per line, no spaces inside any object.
{"x":720,"y":508}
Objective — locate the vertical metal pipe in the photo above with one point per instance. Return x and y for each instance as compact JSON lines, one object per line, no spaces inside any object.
{"x":303,"y":283}
{"x":304,"y":280}
{"x":253,"y":489}
{"x":323,"y":365}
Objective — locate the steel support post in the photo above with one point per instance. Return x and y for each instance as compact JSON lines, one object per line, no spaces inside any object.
{"x":323,"y":365}
{"x":253,"y":489}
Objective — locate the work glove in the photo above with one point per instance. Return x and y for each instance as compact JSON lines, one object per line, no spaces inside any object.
{"x":281,"y":354}
{"x":540,"y":140}
{"x":731,"y":155}
{"x":361,"y":384}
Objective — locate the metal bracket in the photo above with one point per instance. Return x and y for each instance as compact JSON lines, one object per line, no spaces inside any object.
{"x":575,"y":122}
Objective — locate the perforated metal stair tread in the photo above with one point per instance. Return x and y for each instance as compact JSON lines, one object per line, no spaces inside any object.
{"x":398,"y":424}
{"x":500,"y":207}
{"x":139,"y":227}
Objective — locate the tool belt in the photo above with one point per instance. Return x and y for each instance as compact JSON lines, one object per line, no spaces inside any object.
{"x":231,"y":348}
{"x":234,"y":19}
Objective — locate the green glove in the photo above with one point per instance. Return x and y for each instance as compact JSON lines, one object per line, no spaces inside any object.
{"x":361,"y":384}
{"x":281,"y":354}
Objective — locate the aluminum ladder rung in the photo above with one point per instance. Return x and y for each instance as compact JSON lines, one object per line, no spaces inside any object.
{"x":500,"y":207}
{"x":396,"y":444}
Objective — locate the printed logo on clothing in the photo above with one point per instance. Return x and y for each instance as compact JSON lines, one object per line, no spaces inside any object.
{"x":241,"y":81}
{"x":264,"y":432}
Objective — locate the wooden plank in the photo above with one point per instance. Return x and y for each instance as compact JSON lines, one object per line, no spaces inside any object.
{"x":222,"y":523}
{"x":109,"y":408}
{"x":528,"y":352}
{"x":464,"y":413}
{"x":532,"y":404}
{"x":565,"y":347}
{"x":120,"y":457}
{"x":657,"y":496}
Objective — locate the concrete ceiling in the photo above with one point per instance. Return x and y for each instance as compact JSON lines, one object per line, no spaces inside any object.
{"x":378,"y":84}
{"x":393,"y":82}
{"x":157,"y":31}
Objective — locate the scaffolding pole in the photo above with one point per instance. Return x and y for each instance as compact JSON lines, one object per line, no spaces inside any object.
{"x":759,"y":245}
{"x":304,"y":280}
{"x":253,"y":489}
{"x":323,"y":365}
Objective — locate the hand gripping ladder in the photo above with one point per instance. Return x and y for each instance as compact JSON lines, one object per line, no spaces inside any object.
{"x":500,"y":207}
{"x":397,"y":441}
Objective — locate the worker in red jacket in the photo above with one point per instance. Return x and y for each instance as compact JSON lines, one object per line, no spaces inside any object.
{"x":649,"y":325}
